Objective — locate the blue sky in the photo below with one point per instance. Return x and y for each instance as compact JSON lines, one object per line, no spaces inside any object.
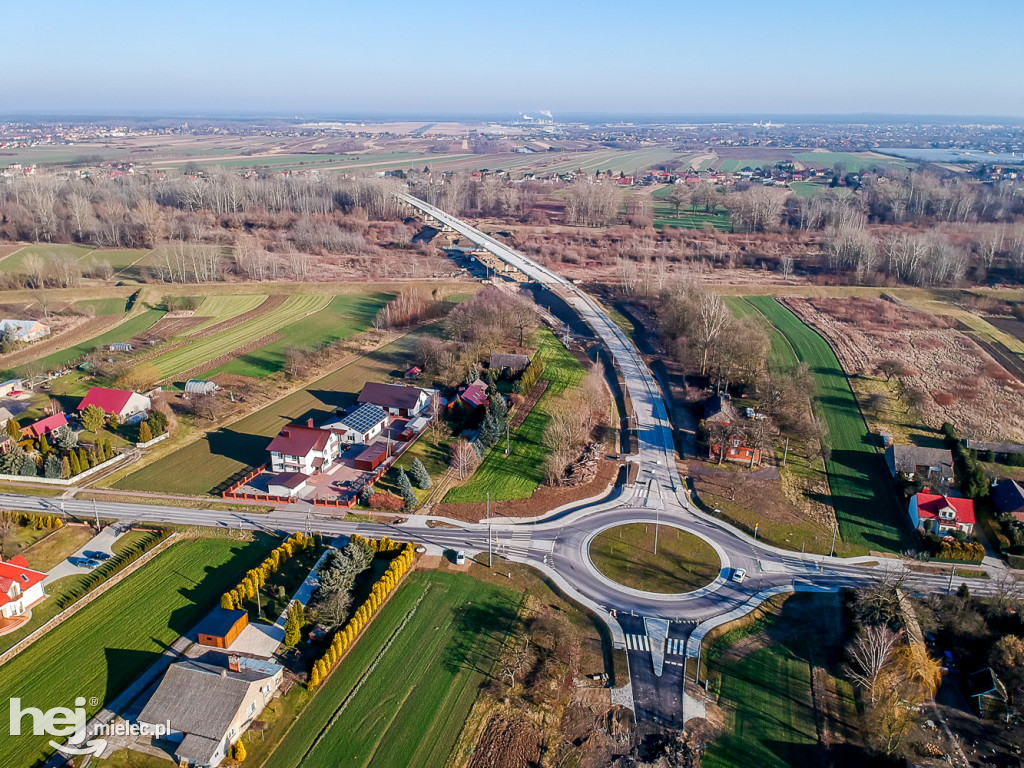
{"x":454,"y":56}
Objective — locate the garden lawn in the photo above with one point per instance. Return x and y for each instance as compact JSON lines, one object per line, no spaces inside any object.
{"x":101,"y":649}
{"x":102,"y":307}
{"x":126,"y":330}
{"x":206,"y":465}
{"x":863,"y":498}
{"x":411,"y":708}
{"x":199,"y":351}
{"x":517,"y":475}
{"x":343,"y":318}
{"x":58,"y":546}
{"x":684,"y":562}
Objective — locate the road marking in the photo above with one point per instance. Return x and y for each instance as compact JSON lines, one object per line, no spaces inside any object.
{"x":638,"y":643}
{"x":675,"y":646}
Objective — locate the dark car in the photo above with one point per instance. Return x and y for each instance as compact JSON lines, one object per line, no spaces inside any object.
{"x":96,"y":555}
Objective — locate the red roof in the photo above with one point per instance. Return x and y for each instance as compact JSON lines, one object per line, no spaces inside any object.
{"x":929,"y":504}
{"x":45,"y":426}
{"x":475,"y":396}
{"x":16,"y":571}
{"x":299,"y":440}
{"x":110,"y":400}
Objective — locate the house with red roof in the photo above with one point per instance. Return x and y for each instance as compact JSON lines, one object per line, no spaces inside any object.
{"x":120,"y":402}
{"x":20,"y":587}
{"x":44,"y":426}
{"x":941,"y":514}
{"x":473,"y":397}
{"x":304,"y":448}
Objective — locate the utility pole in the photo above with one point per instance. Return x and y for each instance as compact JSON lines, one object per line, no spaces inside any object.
{"x":259,"y":607}
{"x":506,"y":435}
{"x":756,"y":525}
{"x":97,"y":514}
{"x":489,"y":548}
{"x":952,"y":571}
{"x":657,"y":524}
{"x":834,"y":532}
{"x":785,"y":454}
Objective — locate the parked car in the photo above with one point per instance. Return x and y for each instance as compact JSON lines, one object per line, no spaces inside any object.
{"x":738,"y":575}
{"x":460,"y":557}
{"x":91,"y":563}
{"x":96,"y":555}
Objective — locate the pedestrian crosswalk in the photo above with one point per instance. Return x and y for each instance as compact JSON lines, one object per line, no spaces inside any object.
{"x":515,"y":544}
{"x":675,"y":646}
{"x":638,"y":643}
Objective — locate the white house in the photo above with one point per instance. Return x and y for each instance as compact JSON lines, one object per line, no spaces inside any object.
{"x":20,"y":587}
{"x":360,"y":426}
{"x":937,"y":514}
{"x":23,"y":330}
{"x":304,"y":449}
{"x":122,"y":403}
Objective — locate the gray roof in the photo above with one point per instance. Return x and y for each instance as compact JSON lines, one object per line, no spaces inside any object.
{"x":977,"y":445}
{"x":390,"y":395}
{"x":1008,"y":496}
{"x":198,"y":749}
{"x":908,"y":458}
{"x":515,"y":362}
{"x":199,"y":698}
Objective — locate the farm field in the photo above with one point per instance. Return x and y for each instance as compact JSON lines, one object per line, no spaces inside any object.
{"x":205,"y":465}
{"x":781,"y":355}
{"x":815,"y":188}
{"x":122,"y":332}
{"x":223,"y":307}
{"x":200,"y":351}
{"x":864,"y":503}
{"x":344,"y":317}
{"x":732,"y":165}
{"x":412,"y":706}
{"x":771,"y":711}
{"x":102,"y":307}
{"x":855,"y":162}
{"x":615,"y":160}
{"x":665,"y":214}
{"x":15,"y":263}
{"x":115,"y":638}
{"x":517,"y":475}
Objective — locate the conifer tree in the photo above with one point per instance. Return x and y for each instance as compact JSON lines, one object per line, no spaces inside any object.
{"x":145,"y":434}
{"x":405,"y":487}
{"x":420,"y":475}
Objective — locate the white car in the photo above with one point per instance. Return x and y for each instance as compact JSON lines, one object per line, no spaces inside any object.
{"x":738,"y":575}
{"x":460,"y":557}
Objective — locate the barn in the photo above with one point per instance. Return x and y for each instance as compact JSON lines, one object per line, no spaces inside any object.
{"x":221,"y":626}
{"x":372,"y":457}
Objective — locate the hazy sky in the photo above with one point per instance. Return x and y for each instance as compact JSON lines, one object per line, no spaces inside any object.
{"x":455,"y":56}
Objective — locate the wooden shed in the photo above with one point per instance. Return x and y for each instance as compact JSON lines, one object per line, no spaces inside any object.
{"x":221,"y":626}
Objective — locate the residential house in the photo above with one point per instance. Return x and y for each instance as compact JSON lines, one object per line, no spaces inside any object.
{"x":1008,"y":496}
{"x":725,"y":441}
{"x":304,"y":448}
{"x":44,"y":426}
{"x":20,"y":587}
{"x":361,"y":425}
{"x":209,"y":706}
{"x":23,"y":330}
{"x":941,"y":514}
{"x":931,"y":465}
{"x":508,"y":363}
{"x":396,"y":399}
{"x":122,"y":403}
{"x":10,"y":387}
{"x":473,"y":397}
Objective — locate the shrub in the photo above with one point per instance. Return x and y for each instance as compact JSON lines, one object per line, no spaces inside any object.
{"x":386,"y":501}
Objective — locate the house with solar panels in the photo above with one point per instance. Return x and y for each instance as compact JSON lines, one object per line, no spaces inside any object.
{"x":361,"y":425}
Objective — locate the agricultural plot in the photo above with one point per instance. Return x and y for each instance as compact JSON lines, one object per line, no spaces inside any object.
{"x":864,"y":502}
{"x":102,"y":307}
{"x":15,"y":263}
{"x":781,"y":355}
{"x":115,"y":638}
{"x":442,"y":632}
{"x":206,"y":465}
{"x":517,"y":475}
{"x":343,"y":318}
{"x":199,"y":351}
{"x":853,"y":162}
{"x":614,"y":160}
{"x":665,"y":214}
{"x":119,"y":259}
{"x":733,"y":165}
{"x":126,"y":330}
{"x":219,"y":308}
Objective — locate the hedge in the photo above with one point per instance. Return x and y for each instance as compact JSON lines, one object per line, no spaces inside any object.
{"x":112,"y":566}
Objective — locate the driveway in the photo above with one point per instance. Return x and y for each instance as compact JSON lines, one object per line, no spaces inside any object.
{"x":102,"y":542}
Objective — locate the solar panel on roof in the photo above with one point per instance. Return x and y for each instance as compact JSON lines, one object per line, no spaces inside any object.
{"x":364,"y":418}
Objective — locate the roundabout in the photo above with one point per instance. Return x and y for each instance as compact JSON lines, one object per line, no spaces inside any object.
{"x":659,"y":558}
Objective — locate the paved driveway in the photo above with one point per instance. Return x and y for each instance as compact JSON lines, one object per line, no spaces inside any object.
{"x":102,"y":542}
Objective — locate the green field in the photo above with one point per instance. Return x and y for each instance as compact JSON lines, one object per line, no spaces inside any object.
{"x":854,"y":162}
{"x":781,"y":355}
{"x":411,"y":708}
{"x":864,"y":501}
{"x":203,"y":466}
{"x":753,"y":163}
{"x":105,"y":646}
{"x":102,"y":307}
{"x":223,"y":307}
{"x":126,"y":330}
{"x":767,"y":696}
{"x":16,"y":261}
{"x":615,"y":160}
{"x":683,"y":562}
{"x":200,"y":351}
{"x":517,"y":475}
{"x":343,"y":318}
{"x":665,"y":214}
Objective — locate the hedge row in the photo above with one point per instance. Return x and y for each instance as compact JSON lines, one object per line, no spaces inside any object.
{"x":256,"y":577}
{"x":380,"y":590}
{"x":39,"y":522}
{"x":112,"y":566}
{"x":530,"y":376}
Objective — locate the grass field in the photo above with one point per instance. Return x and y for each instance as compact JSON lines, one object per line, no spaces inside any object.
{"x":815,"y":188}
{"x":854,"y":162}
{"x":665,"y":214}
{"x":203,"y":466}
{"x":343,"y":318}
{"x":219,"y":308}
{"x":767,"y":695}
{"x":683,"y":562}
{"x":733,"y":165}
{"x":102,"y":307}
{"x":517,"y":475}
{"x":864,"y":501}
{"x":16,"y":262}
{"x":200,"y":351}
{"x":114,"y":639}
{"x":56,"y":547}
{"x":412,"y":706}
{"x":615,"y":160}
{"x":126,"y":330}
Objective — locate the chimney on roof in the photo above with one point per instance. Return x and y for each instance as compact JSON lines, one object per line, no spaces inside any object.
{"x":235,"y":663}
{"x":926,"y":490}
{"x":309,"y":423}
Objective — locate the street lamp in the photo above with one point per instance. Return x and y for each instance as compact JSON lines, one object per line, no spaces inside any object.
{"x":756,"y":525}
{"x":489,"y":529}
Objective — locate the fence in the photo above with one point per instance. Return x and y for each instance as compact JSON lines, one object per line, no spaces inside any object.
{"x":155,"y":440}
{"x":57,"y":481}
